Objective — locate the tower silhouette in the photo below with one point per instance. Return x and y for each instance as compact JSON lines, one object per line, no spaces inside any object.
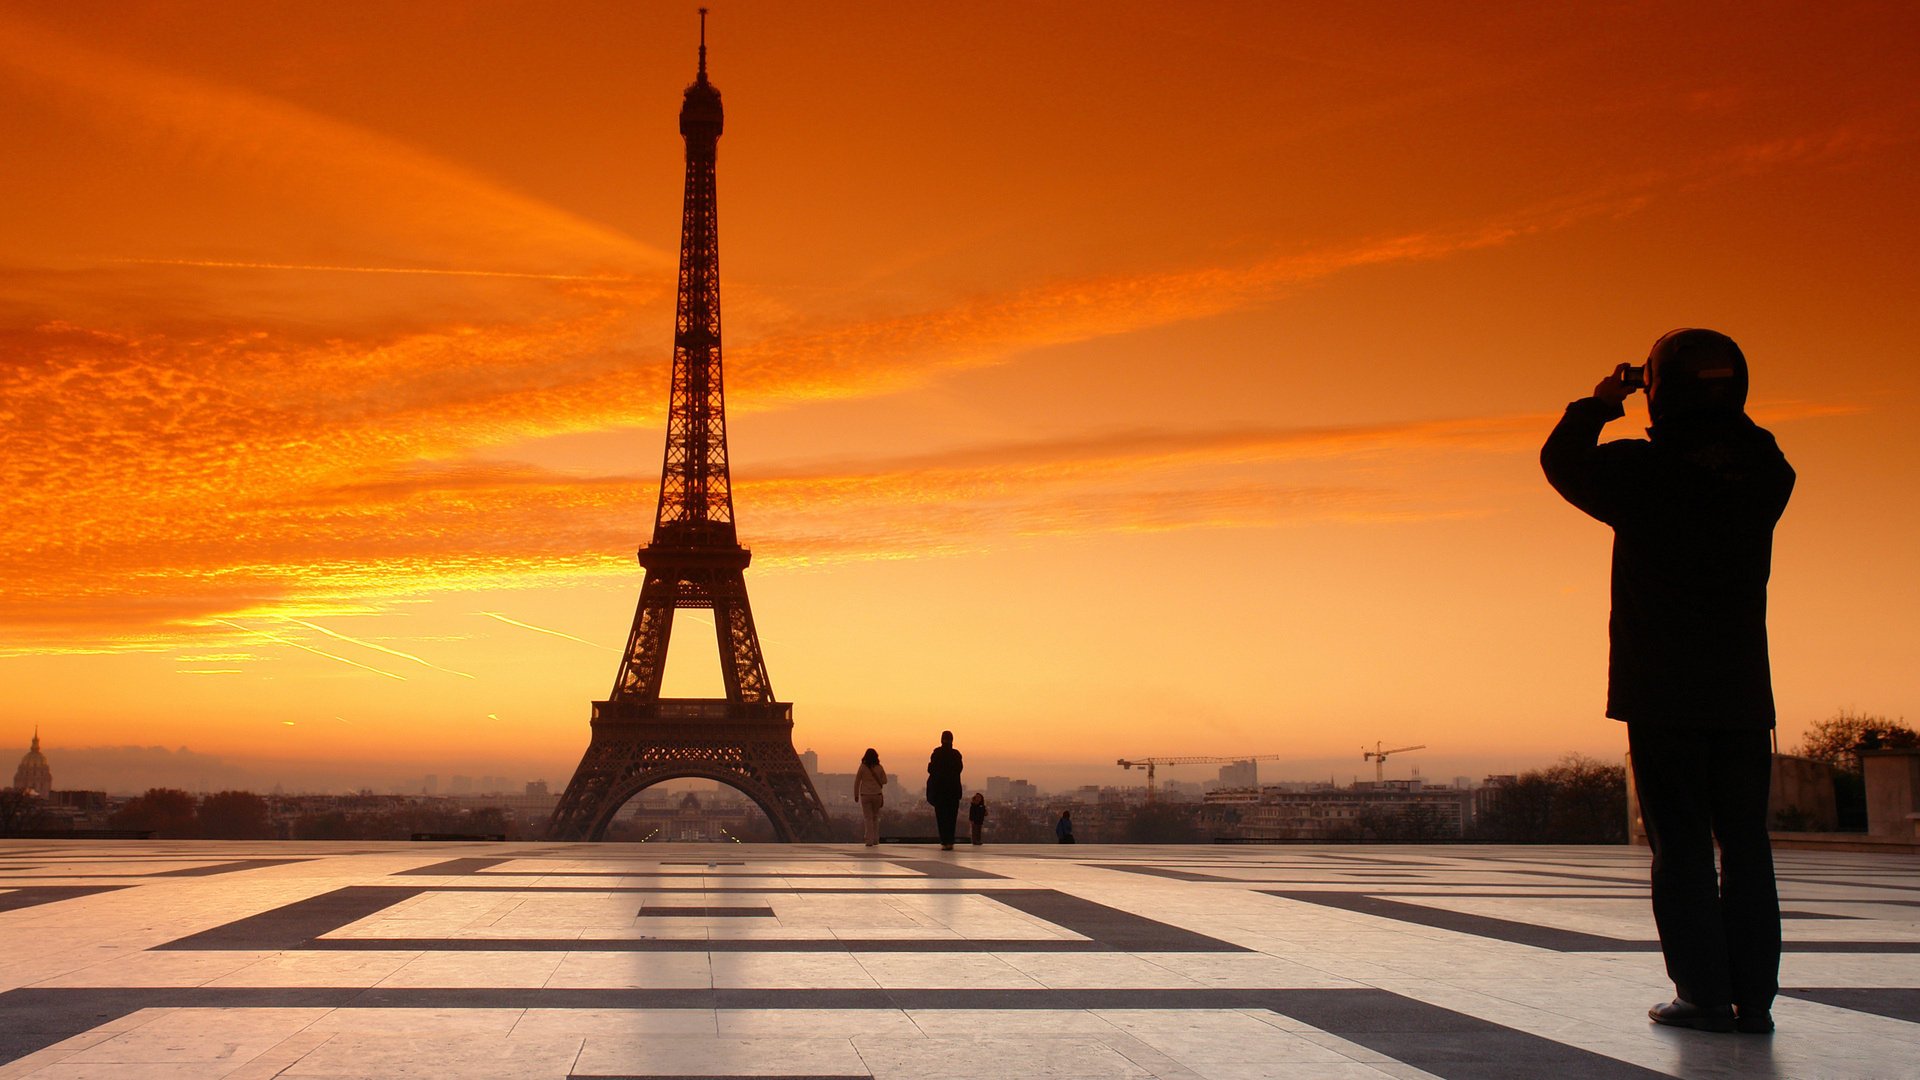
{"x":694,"y":561}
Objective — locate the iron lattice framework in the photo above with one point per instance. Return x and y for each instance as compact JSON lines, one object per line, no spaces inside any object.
{"x":694,"y":561}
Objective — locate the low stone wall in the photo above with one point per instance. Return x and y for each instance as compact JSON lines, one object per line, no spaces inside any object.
{"x":1893,"y":794}
{"x":1799,"y":800}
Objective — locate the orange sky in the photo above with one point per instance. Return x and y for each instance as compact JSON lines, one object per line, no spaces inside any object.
{"x":1106,"y":379}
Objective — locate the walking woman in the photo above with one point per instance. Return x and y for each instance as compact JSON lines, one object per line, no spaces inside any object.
{"x":868,"y":781}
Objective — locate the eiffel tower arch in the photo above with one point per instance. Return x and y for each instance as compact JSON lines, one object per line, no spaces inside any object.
{"x":694,"y":561}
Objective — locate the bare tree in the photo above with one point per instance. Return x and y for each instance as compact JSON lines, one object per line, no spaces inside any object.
{"x":1838,"y":739}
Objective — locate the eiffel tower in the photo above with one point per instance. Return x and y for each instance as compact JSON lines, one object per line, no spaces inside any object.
{"x":694,"y":561}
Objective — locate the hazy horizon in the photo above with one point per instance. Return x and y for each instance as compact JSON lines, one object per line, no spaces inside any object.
{"x":128,"y":770}
{"x":1175,"y":393}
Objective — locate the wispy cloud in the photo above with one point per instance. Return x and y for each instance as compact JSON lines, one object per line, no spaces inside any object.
{"x":377,"y":647}
{"x":210,"y":264}
{"x":407,"y":530}
{"x":377,"y":188}
{"x":278,"y":640}
{"x":543,"y":630}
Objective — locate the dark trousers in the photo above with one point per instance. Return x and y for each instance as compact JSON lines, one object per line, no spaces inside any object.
{"x":1721,"y":938}
{"x":945,"y":813}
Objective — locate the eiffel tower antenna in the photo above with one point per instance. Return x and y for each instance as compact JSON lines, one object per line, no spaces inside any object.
{"x":703,"y":45}
{"x":694,"y":561}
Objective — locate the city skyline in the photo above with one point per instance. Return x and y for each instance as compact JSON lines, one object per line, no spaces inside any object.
{"x":337,"y":340}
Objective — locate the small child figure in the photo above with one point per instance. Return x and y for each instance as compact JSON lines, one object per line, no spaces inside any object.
{"x":977,"y":815}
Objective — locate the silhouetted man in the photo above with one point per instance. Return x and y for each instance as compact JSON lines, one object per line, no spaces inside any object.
{"x":943,"y":787}
{"x":1692,"y":508}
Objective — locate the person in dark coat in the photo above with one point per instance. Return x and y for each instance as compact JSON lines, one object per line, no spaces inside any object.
{"x":943,"y":787}
{"x":1063,"y":829}
{"x":977,"y":816}
{"x":1693,"y":508}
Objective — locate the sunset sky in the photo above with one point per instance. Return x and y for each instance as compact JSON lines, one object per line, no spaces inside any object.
{"x":1105,"y":379}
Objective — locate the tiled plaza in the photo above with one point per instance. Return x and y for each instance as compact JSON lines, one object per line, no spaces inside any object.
{"x":256,"y":960}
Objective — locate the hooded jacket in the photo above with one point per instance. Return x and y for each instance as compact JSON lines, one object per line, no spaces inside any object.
{"x":1692,"y":508}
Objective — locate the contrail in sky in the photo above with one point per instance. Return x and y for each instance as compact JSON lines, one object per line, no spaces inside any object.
{"x":219,"y":265}
{"x":381,"y":648}
{"x":543,"y":630}
{"x":311,"y":649}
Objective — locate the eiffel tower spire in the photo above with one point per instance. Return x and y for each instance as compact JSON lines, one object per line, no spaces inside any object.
{"x":693,"y":561}
{"x":696,"y":492}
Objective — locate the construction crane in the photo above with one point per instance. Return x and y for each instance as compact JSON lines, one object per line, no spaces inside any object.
{"x":1148,"y":763}
{"x":1379,"y":758}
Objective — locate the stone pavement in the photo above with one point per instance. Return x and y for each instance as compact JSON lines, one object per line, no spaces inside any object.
{"x":255,"y":960}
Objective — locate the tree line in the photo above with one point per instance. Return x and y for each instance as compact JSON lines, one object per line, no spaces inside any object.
{"x":169,"y":813}
{"x":1578,"y":800}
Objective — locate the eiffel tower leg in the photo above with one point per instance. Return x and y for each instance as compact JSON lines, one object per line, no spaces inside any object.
{"x":646,"y":658}
{"x":574,"y":815}
{"x":741,"y":663}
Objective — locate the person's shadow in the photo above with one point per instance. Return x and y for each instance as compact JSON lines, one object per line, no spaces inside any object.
{"x":1748,"y":1057}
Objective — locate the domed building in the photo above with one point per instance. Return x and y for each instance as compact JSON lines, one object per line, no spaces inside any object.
{"x":33,"y":774}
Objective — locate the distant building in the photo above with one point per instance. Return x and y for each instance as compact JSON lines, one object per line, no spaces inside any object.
{"x":537,"y":787}
{"x":431,"y":785}
{"x":1490,"y":792}
{"x":1240,"y":774}
{"x":832,"y":787}
{"x":34,"y":775}
{"x":1323,"y":812}
{"x":1181,"y":791}
{"x":688,"y":818}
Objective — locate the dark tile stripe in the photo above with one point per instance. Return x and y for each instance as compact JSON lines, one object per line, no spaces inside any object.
{"x":1111,"y":927}
{"x":1427,"y":1037}
{"x":450,"y":868}
{"x":28,"y":896}
{"x":1901,"y":1003}
{"x":304,"y":924}
{"x":1161,"y":871}
{"x":713,"y":945}
{"x":1546,"y":937}
{"x":941,"y":868}
{"x":1843,"y":879}
{"x":1518,"y":933}
{"x":655,"y":911}
{"x":37,"y":1019}
{"x":295,"y":925}
{"x":227,"y":868}
{"x":639,"y":873}
{"x":777,"y":890}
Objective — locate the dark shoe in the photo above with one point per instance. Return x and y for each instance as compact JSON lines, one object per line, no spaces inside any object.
{"x":1753,"y":1021}
{"x":946,"y":847}
{"x":1677,"y":1013}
